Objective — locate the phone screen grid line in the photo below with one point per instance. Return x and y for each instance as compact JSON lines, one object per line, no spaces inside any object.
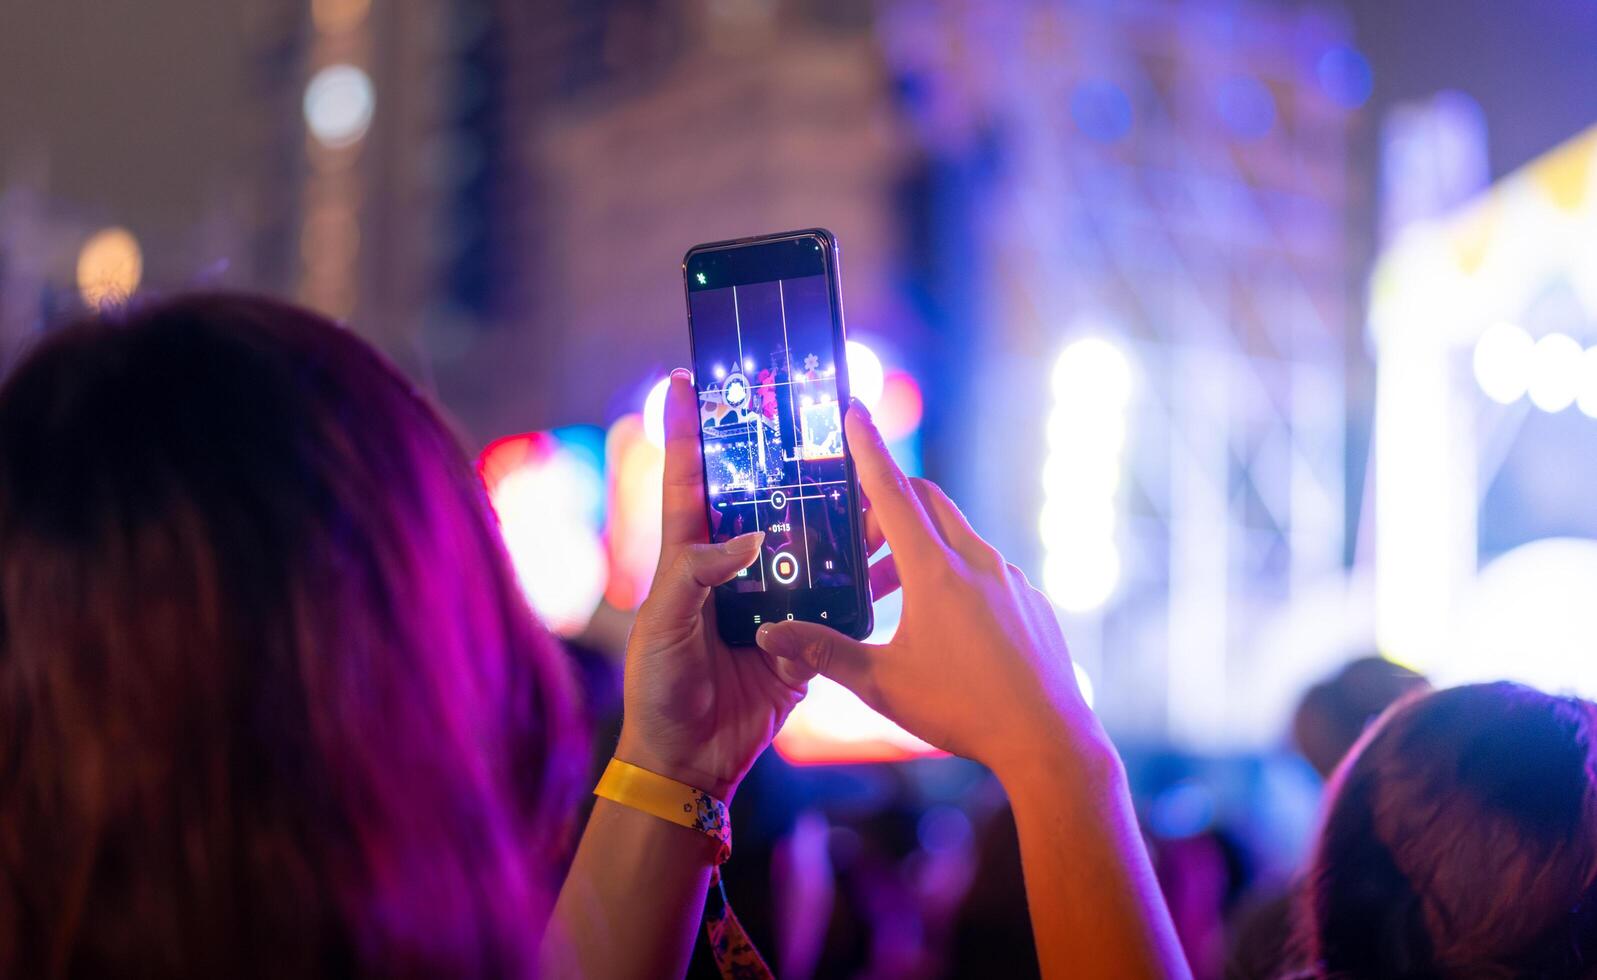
{"x":798,"y":462}
{"x":752,"y":503}
{"x":794,"y":486}
{"x":737,"y":324}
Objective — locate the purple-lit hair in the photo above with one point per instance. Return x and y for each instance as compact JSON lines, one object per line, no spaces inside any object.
{"x":271,"y":702}
{"x":1461,"y":841}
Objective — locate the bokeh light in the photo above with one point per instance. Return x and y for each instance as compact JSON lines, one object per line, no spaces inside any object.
{"x":901,"y":408}
{"x":549,"y":500}
{"x":1555,"y":372}
{"x":1587,"y":399}
{"x":634,"y":467}
{"x":339,"y":102}
{"x":1345,"y":76}
{"x":338,"y":16}
{"x":1535,"y":602}
{"x":654,"y":412}
{"x":866,"y":378}
{"x":1502,"y":362}
{"x":1092,"y":373}
{"x":110,"y":267}
{"x":1084,"y":684}
{"x":1086,"y":435}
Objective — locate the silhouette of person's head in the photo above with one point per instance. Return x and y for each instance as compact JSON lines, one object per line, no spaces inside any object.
{"x":270,"y":699}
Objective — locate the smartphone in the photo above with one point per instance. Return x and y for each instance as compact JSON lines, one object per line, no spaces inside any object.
{"x":765,"y":319}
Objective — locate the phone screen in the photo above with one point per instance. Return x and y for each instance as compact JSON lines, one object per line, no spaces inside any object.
{"x":768,"y":362}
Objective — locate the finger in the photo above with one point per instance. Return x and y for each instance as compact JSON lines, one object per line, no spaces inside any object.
{"x":950,"y":522}
{"x":794,"y":673}
{"x":681,"y":586}
{"x":904,"y":522}
{"x":874,"y":538}
{"x":884,"y":578}
{"x":822,"y":650}
{"x":954,"y":527}
{"x":682,"y":491}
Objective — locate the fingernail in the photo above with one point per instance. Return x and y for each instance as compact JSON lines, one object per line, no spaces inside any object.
{"x":682,"y":373}
{"x":744,"y":543}
{"x":855,"y":405}
{"x":773,"y":641}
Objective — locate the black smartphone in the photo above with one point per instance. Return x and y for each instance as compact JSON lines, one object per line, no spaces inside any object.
{"x":765,"y":318}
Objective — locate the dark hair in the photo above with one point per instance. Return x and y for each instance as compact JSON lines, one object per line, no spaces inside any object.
{"x":1461,"y":840}
{"x":270,"y":699}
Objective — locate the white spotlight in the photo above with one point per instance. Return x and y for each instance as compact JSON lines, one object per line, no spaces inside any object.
{"x":654,"y":412}
{"x":1092,"y":371}
{"x":338,"y":105}
{"x":1587,"y":399}
{"x":1503,"y":362}
{"x":865,"y":376}
{"x":1555,"y":369}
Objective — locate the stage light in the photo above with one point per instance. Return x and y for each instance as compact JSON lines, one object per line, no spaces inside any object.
{"x":1083,"y":683}
{"x":339,"y":102}
{"x":1503,"y":361}
{"x":865,"y":375}
{"x":338,"y":16}
{"x":110,"y":266}
{"x":1086,"y":435}
{"x":1092,"y":372}
{"x":719,"y":372}
{"x":654,"y":412}
{"x":633,"y":467}
{"x":1085,"y":430}
{"x":1345,"y":76}
{"x":548,"y":496}
{"x":559,"y":562}
{"x":1528,"y":616}
{"x":1587,"y":399}
{"x":901,"y":407}
{"x":1082,"y":580}
{"x":1555,"y":370}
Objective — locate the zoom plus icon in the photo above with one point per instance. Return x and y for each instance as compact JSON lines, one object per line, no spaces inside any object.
{"x":785,"y":568}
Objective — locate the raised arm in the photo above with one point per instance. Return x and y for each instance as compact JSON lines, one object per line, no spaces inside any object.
{"x":694,"y":711}
{"x":979,"y":667}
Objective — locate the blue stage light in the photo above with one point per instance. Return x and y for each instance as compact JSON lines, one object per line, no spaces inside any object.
{"x":1345,"y":75}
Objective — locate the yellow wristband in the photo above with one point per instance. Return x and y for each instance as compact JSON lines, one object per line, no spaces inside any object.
{"x":667,"y":799}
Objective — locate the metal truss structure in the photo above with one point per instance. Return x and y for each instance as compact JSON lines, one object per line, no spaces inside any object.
{"x":1171,"y":178}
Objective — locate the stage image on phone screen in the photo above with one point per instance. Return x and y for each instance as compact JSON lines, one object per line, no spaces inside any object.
{"x":772,"y":430}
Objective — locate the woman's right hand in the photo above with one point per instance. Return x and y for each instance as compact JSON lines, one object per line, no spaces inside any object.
{"x":979,"y":666}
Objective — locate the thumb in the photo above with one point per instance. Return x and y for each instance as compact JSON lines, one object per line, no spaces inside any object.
{"x":682,"y":584}
{"x":824,"y":651}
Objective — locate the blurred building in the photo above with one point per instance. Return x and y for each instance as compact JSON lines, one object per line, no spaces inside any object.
{"x":771,"y":117}
{"x":500,"y":194}
{"x":1157,"y":378}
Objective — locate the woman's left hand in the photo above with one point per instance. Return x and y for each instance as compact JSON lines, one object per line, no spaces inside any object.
{"x":695,"y":709}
